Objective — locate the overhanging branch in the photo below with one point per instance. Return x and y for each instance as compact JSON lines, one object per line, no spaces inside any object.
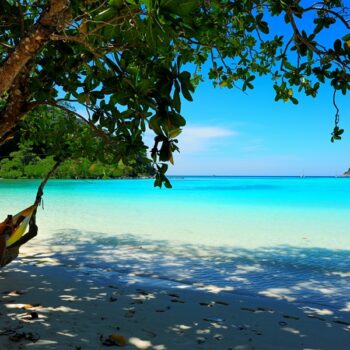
{"x":54,"y":19}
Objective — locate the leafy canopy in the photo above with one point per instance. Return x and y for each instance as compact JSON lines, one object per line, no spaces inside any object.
{"x":125,"y":61}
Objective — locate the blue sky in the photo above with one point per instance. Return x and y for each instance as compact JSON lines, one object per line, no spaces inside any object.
{"x":232,"y":133}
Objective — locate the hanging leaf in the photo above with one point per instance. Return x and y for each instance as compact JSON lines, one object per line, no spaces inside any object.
{"x":180,"y":8}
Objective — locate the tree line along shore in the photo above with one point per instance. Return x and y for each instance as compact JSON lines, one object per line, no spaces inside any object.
{"x":48,"y":135}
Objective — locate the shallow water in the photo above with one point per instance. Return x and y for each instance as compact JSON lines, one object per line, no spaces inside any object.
{"x":279,"y":237}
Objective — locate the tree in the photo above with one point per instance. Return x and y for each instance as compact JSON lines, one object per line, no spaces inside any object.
{"x":48,"y":133}
{"x":124,"y":60}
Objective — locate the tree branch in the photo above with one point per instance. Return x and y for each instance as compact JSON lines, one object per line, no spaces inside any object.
{"x":299,"y":36}
{"x":6,"y":45}
{"x":54,"y":19}
{"x":15,"y":107}
{"x":81,"y":39}
{"x":334,"y":13}
{"x":97,"y":131}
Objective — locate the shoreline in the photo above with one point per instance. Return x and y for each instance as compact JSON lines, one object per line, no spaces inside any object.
{"x":83,"y":178}
{"x":71,"y":309}
{"x":181,"y":177}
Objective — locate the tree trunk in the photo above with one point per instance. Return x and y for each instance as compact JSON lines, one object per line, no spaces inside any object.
{"x":55,"y":19}
{"x":16,"y":105}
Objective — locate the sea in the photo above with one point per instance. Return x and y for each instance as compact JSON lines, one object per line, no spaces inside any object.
{"x":286,"y":238}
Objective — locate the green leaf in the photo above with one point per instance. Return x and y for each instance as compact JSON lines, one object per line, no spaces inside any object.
{"x":186,"y":93}
{"x":294,"y":100}
{"x":82,"y":98}
{"x":165,"y":151}
{"x":186,"y":85}
{"x":95,"y":117}
{"x":149,"y":4}
{"x":167,"y":183}
{"x":115,"y":3}
{"x":178,"y":120}
{"x":337,"y":45}
{"x":288,"y":65}
{"x":151,"y":33}
{"x":346,"y":37}
{"x":105,"y":15}
{"x":154,"y":125}
{"x":181,"y":8}
{"x":175,"y":132}
{"x":263,"y":26}
{"x":164,"y":168}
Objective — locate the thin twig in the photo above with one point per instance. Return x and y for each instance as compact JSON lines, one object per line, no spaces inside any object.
{"x":334,"y":13}
{"x":336,"y":118}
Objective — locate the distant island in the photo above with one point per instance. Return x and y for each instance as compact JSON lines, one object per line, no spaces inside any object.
{"x":347,"y":173}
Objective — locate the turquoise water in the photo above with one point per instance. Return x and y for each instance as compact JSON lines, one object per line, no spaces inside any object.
{"x":280,"y":237}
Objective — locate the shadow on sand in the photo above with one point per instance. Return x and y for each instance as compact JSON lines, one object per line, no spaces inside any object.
{"x":312,"y":275}
{"x":74,"y":293}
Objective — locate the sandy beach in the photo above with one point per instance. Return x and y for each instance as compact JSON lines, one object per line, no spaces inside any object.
{"x":45,"y":305}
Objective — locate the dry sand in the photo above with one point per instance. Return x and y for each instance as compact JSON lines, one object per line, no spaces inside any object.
{"x":54,"y":307}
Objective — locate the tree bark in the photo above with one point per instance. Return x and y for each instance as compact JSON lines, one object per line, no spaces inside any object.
{"x":55,"y":19}
{"x":16,"y":105}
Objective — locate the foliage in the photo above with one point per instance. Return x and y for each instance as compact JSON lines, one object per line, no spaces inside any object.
{"x":124,"y":61}
{"x":55,"y":132}
{"x":25,"y":164}
{"x":49,"y":134}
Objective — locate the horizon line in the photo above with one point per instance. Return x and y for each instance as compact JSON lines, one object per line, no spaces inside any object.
{"x":297,"y":176}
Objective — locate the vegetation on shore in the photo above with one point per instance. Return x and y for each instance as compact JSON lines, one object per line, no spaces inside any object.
{"x":50,"y":134}
{"x":25,"y":164}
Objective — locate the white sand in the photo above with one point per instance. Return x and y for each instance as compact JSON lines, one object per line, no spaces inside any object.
{"x":76,"y":311}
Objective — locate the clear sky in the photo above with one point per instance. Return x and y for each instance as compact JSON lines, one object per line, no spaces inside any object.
{"x":232,"y":133}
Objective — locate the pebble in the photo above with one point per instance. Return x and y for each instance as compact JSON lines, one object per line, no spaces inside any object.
{"x":218,"y":337}
{"x":34,"y":315}
{"x":177,"y":301}
{"x":247,"y":309}
{"x":201,"y":340}
{"x":206,"y":304}
{"x":113,"y":286}
{"x":173,"y":295}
